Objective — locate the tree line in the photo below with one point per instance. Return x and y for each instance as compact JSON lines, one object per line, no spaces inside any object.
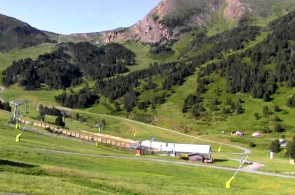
{"x":5,"y":106}
{"x":67,"y":66}
{"x":83,"y":99}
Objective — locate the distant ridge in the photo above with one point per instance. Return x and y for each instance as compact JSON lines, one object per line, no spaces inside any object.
{"x":17,"y":34}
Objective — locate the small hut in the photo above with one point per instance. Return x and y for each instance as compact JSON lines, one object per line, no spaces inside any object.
{"x":196,"y":157}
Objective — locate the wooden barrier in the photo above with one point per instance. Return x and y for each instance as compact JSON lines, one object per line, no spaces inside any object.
{"x":73,"y":134}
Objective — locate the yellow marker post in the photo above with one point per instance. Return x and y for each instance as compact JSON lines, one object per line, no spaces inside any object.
{"x":96,"y":144}
{"x":17,"y":138}
{"x":219,"y":149}
{"x":134,"y":134}
{"x":228,"y":183}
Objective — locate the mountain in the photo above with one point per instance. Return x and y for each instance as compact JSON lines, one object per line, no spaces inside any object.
{"x":17,"y":34}
{"x":210,"y":79}
{"x":171,"y":18}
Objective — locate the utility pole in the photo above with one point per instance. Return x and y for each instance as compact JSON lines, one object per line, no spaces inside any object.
{"x":26,"y":106}
{"x":63,"y":113}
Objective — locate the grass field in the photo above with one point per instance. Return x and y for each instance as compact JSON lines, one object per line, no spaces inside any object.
{"x":25,"y":169}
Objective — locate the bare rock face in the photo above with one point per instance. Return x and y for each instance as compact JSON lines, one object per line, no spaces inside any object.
{"x":235,"y":9}
{"x":171,"y":17}
{"x":148,"y":29}
{"x":151,"y":29}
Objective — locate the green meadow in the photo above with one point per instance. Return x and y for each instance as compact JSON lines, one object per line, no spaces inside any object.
{"x":26,"y":169}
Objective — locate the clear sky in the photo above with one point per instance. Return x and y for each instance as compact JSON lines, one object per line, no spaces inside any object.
{"x":77,"y":16}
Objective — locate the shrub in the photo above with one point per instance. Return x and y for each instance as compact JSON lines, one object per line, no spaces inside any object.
{"x":279,"y":128}
{"x":252,"y":144}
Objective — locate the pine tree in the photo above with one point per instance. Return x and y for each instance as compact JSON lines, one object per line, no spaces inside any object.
{"x":291,"y":149}
{"x":277,"y":108}
{"x":275,"y":146}
{"x":59,"y":121}
{"x":265,"y":111}
{"x":104,"y":122}
{"x":279,"y":128}
{"x":266,"y":97}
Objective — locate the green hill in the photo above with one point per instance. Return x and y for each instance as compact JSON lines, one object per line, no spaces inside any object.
{"x":200,"y":83}
{"x":209,"y":81}
{"x":15,"y":34}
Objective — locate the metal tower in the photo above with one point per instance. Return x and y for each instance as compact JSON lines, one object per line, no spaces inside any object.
{"x":16,"y":103}
{"x":99,"y":127}
{"x":63,"y":113}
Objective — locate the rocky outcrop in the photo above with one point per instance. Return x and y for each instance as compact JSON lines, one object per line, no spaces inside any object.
{"x":172,"y":17}
{"x":235,"y":9}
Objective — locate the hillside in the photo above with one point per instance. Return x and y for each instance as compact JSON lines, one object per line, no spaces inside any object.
{"x":173,"y":18}
{"x":15,"y":34}
{"x":200,"y":84}
{"x":222,"y":66}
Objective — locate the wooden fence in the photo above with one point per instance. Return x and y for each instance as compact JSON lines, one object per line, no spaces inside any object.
{"x":77,"y":135}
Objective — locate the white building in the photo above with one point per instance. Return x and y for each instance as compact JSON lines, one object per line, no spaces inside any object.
{"x":177,"y":148}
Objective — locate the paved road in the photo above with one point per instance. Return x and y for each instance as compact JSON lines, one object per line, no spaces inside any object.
{"x":168,"y":161}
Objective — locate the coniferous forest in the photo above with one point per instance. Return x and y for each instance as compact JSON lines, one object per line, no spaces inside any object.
{"x":245,"y":71}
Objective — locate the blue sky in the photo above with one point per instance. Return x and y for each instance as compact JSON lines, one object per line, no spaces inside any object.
{"x":77,"y":16}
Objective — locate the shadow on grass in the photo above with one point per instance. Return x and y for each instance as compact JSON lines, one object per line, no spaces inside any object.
{"x":220,"y":160}
{"x":16,"y":164}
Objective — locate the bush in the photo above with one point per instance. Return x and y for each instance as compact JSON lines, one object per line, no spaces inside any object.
{"x":277,"y":119}
{"x":291,"y":149}
{"x":277,"y":108}
{"x":267,"y":130}
{"x":252,"y":144}
{"x":279,"y":128}
{"x":256,"y":115}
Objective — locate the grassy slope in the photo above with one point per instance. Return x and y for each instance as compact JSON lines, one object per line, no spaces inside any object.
{"x":7,"y":58}
{"x":27,"y":170}
{"x":279,"y":8}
